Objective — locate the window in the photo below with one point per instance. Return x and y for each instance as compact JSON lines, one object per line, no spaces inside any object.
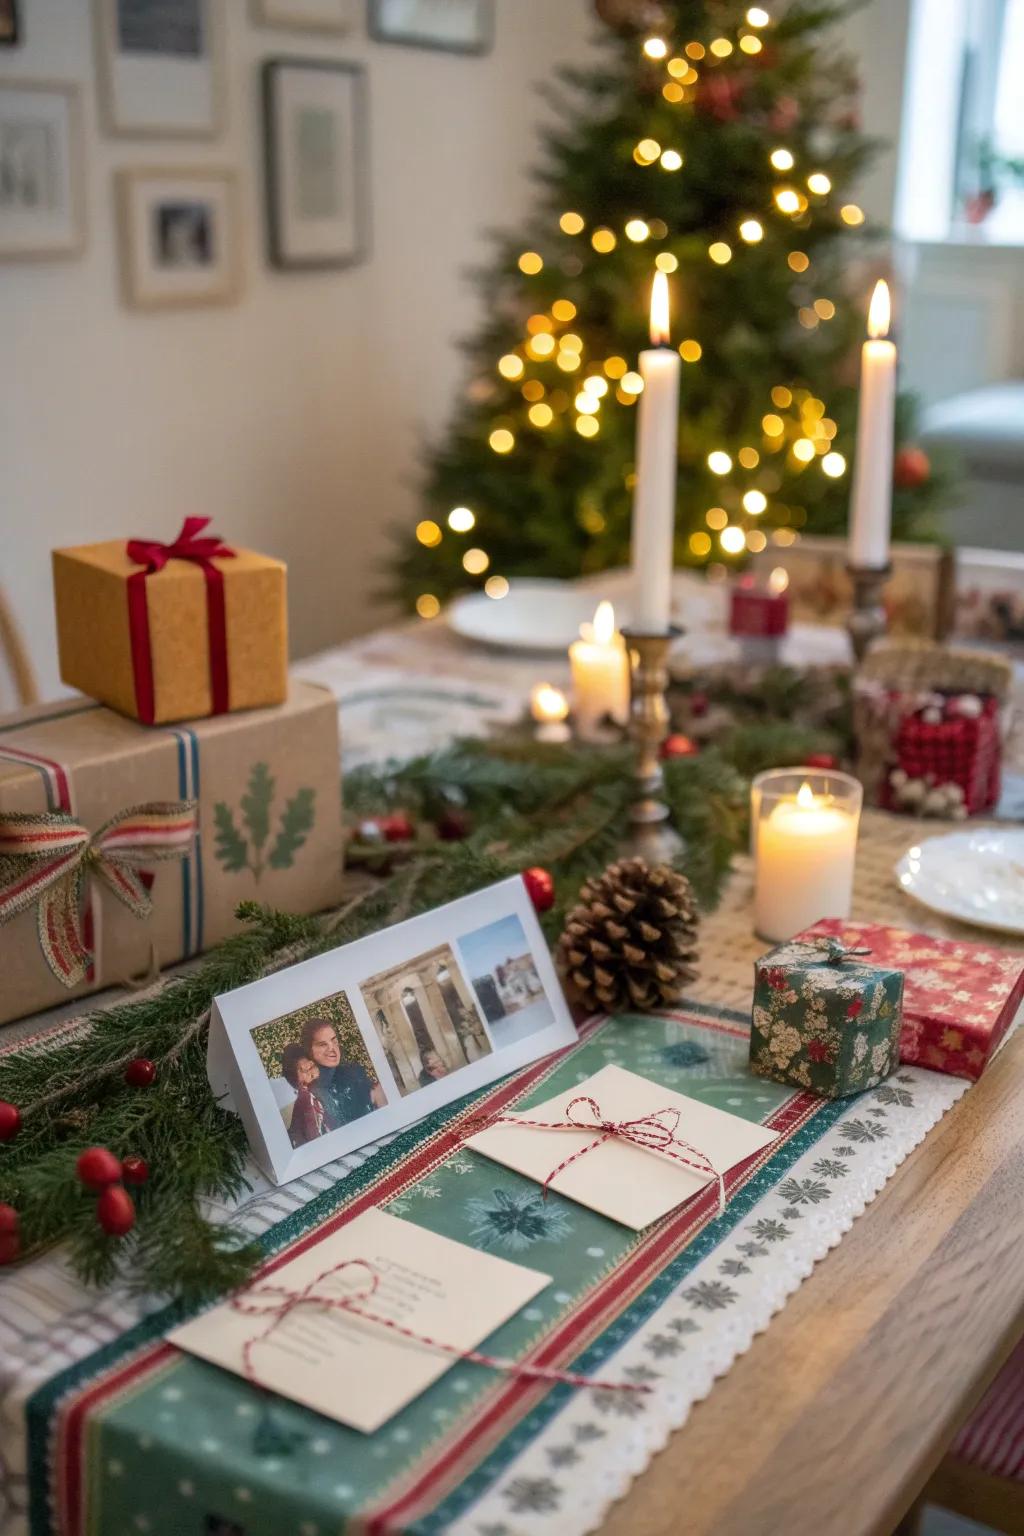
{"x":961,"y":174}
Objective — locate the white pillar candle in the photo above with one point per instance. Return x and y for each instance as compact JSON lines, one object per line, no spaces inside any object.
{"x":805,"y":850}
{"x":654,"y":496}
{"x":871,"y":500}
{"x":600,"y":673}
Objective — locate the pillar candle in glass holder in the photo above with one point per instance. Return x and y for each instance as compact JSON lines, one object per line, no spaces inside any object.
{"x":871,"y":499}
{"x":804,"y":825}
{"x":600,"y":674}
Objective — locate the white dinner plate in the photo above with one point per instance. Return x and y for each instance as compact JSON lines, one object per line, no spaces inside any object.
{"x":534,"y":615}
{"x":976,"y":876}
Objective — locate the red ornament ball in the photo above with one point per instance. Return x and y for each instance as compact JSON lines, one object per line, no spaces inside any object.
{"x":678,"y":745}
{"x":541,"y":887}
{"x":912,"y":468}
{"x":822,"y":760}
{"x":10,"y":1120}
{"x":134,"y":1170}
{"x":397,"y":828}
{"x":115,"y":1211}
{"x":140,"y":1073}
{"x":10,"y":1235}
{"x":97,"y":1167}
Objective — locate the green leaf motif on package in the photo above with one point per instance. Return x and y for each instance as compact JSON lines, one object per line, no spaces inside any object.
{"x":237,"y":851}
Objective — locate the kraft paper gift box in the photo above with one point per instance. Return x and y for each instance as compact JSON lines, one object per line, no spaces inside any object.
{"x":175,"y":631}
{"x":959,"y":997}
{"x":163,"y":830}
{"x":825,"y":1017}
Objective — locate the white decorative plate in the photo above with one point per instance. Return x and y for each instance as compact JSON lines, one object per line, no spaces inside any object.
{"x":535,"y":615}
{"x":976,"y":876}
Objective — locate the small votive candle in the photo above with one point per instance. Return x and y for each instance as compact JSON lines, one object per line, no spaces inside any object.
{"x":549,"y":708}
{"x":804,"y":835}
{"x":600,"y":674}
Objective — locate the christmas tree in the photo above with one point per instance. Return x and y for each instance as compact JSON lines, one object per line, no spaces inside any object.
{"x":718,"y":143}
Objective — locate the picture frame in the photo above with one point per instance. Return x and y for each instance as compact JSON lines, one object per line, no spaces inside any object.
{"x":10,"y":23}
{"x":919,"y":596}
{"x":333,"y":16}
{"x":160,"y":68}
{"x":315,"y":149}
{"x":178,"y":236}
{"x":335,"y":1052}
{"x":453,"y":26}
{"x":42,"y":201}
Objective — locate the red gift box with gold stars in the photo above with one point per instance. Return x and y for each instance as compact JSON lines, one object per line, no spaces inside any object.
{"x":959,"y":998}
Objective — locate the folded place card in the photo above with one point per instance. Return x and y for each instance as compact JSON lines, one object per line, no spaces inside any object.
{"x":630,"y":1180}
{"x":343,"y":1365}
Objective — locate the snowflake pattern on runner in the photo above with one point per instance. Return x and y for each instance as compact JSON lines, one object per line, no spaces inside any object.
{"x":710,"y":1295}
{"x":516,"y":1220}
{"x":804,"y":1191}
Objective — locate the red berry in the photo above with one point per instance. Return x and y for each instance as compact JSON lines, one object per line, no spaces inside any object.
{"x":824,"y":760}
{"x":135,"y":1170}
{"x":10,"y":1235}
{"x":699,"y":704}
{"x":397,"y":828}
{"x":97,"y":1168}
{"x":678,"y":746}
{"x":10,"y":1120}
{"x":540,"y":886}
{"x":140,"y":1073}
{"x":115,"y":1211}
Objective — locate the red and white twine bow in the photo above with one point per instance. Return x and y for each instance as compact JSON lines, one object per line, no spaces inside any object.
{"x":276,"y":1302}
{"x":46,"y":859}
{"x":655,"y":1132}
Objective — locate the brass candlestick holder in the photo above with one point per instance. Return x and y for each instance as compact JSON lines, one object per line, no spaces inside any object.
{"x":867,"y":619}
{"x":650,"y":836}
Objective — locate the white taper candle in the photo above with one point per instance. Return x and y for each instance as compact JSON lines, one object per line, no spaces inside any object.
{"x":871,"y":500}
{"x":654,"y":497}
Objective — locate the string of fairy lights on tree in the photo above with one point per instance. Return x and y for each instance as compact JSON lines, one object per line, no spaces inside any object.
{"x":562,"y":387}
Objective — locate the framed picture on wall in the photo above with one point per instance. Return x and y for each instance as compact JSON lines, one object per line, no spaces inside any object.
{"x":457,"y":26}
{"x":160,"y":67}
{"x":41,"y":200}
{"x":178,"y":237}
{"x":305,"y":15}
{"x":10,"y":23}
{"x":314,"y":113}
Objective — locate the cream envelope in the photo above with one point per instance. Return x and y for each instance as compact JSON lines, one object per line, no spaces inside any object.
{"x":629,"y":1183}
{"x":349,"y":1368}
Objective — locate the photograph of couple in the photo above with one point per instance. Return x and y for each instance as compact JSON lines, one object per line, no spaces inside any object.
{"x":319,"y":1069}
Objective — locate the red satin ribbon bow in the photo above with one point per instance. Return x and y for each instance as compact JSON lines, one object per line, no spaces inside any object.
{"x":202,"y":549}
{"x":656,"y":1132}
{"x":47,"y":857}
{"x":276,"y":1302}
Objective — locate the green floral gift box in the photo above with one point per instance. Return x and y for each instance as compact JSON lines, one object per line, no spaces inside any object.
{"x":823,"y":1019}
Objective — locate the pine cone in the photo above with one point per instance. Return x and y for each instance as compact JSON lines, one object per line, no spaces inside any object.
{"x":632,"y":940}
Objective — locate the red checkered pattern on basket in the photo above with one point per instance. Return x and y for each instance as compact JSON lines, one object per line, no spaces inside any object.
{"x":961,"y":750}
{"x":993,"y":1440}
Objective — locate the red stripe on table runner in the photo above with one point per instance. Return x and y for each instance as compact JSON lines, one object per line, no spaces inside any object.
{"x":75,"y":1413}
{"x":513,"y":1399}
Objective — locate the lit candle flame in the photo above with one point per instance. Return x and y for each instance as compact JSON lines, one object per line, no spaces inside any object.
{"x":879,"y":311}
{"x":778,"y":581}
{"x":604,"y":623}
{"x":805,"y":797}
{"x":548,"y":703}
{"x":659,"y":310}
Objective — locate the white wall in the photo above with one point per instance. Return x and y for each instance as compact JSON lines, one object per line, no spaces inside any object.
{"x":295,"y":416}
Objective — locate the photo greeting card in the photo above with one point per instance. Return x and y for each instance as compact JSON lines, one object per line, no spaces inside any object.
{"x":629,"y":1180}
{"x":352,"y":1045}
{"x":348,"y":1367}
